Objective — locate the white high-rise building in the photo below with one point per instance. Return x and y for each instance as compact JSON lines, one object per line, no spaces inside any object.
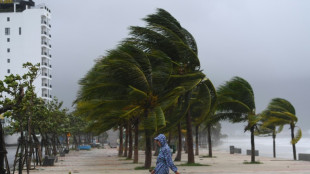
{"x":25,"y":36}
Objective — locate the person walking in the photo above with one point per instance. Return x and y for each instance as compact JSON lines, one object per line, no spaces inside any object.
{"x":164,"y":160}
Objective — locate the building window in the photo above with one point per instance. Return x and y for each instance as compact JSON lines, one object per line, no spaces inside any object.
{"x":7,"y":31}
{"x":8,"y":50}
{"x":9,"y":60}
{"x":8,"y":40}
{"x":20,"y":30}
{"x":9,"y":71}
{"x":8,"y":19}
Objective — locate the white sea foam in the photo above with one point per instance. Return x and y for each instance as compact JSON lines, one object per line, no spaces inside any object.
{"x":264,"y":145}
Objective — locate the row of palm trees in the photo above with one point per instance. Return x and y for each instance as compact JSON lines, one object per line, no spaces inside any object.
{"x":152,"y":82}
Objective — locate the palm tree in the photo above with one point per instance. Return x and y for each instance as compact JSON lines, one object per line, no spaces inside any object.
{"x":283,"y":112}
{"x":143,"y":88}
{"x":266,"y":128}
{"x":239,"y":105}
{"x":211,"y":118}
{"x":200,"y":107}
{"x":164,"y":33}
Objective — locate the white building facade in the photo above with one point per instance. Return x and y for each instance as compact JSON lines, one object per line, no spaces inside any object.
{"x":25,"y":36}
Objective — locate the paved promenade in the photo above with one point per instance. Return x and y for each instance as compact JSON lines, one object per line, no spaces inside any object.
{"x":99,"y":161}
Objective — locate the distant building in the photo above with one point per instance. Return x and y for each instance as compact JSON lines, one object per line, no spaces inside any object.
{"x":25,"y":36}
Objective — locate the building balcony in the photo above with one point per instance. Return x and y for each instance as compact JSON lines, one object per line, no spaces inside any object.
{"x":46,"y":24}
{"x":46,"y":34}
{"x":45,"y":85}
{"x":46,"y":65}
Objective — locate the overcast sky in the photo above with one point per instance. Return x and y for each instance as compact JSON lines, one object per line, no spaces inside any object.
{"x":266,"y":42}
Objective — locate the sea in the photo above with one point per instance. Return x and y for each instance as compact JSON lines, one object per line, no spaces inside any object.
{"x":264,"y":145}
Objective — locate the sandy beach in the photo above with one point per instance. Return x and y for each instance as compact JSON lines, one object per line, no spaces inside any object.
{"x":100,"y":161}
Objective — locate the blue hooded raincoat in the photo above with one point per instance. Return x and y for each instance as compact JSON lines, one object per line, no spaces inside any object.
{"x":164,"y":161}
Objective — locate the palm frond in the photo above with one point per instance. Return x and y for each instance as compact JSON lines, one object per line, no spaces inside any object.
{"x":297,"y":137}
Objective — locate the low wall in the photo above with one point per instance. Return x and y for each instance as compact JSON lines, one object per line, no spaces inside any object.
{"x":238,"y":150}
{"x":304,"y":156}
{"x":233,"y":150}
{"x":248,"y":152}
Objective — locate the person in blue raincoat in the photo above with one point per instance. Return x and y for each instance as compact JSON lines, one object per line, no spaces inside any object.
{"x":164,"y":161}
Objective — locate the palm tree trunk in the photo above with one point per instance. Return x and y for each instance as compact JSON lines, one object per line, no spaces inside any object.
{"x":120,"y":150}
{"x":274,"y":143}
{"x":197,"y":140}
{"x":209,"y":141}
{"x":178,"y":157}
{"x":148,"y":150}
{"x":190,"y":144}
{"x":293,"y":136}
{"x":148,"y":145}
{"x":189,"y":132}
{"x":126,"y":140}
{"x":130,"y":141}
{"x":252,"y":145}
{"x":135,"y":155}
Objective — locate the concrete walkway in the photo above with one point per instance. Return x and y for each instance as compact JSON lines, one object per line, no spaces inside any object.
{"x":98,"y":161}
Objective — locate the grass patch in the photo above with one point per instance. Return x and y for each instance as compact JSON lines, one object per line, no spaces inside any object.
{"x":193,"y":164}
{"x":205,"y":156}
{"x":142,"y":168}
{"x":124,"y":159}
{"x":256,"y":162}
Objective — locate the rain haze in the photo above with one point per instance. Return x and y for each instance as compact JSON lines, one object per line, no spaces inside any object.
{"x":266,"y":42}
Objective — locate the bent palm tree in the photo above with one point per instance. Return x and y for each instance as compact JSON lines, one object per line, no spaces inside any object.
{"x":142,"y":89}
{"x":200,"y":107}
{"x":164,"y":33}
{"x":239,"y":105}
{"x":283,"y":112}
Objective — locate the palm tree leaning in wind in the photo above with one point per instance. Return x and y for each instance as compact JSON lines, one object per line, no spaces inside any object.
{"x":269,"y":129}
{"x":239,"y":106}
{"x":142,"y":90}
{"x":200,"y":107}
{"x":163,"y":32}
{"x":280,"y":112}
